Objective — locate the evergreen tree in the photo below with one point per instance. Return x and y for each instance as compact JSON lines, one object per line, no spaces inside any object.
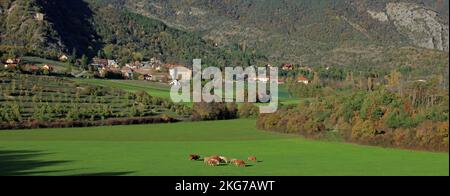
{"x":73,"y":58}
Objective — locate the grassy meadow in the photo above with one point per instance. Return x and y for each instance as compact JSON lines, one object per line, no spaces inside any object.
{"x":163,"y":149}
{"x":163,"y":90}
{"x":154,"y":89}
{"x":58,"y":66}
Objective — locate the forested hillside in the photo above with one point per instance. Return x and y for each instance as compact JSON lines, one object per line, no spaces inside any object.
{"x":309,"y":31}
{"x":51,"y":28}
{"x":22,"y":30}
{"x":365,"y":34}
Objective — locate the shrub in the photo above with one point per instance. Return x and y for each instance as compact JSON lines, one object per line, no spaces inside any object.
{"x":212,"y":111}
{"x":248,"y":110}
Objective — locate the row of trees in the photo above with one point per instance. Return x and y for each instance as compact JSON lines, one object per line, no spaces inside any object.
{"x":223,"y":111}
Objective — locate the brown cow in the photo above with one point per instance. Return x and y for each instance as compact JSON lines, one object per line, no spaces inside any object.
{"x":221,"y":159}
{"x":206,"y":160}
{"x":194,"y":157}
{"x":224,"y":159}
{"x":239,"y":163}
{"x":252,"y":158}
{"x":215,"y":157}
{"x":213,"y":162}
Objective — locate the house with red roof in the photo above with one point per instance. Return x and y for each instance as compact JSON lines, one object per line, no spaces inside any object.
{"x":287,"y":67}
{"x":303,"y":79}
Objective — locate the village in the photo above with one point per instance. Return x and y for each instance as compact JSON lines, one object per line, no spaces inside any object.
{"x":153,"y":70}
{"x":15,"y":64}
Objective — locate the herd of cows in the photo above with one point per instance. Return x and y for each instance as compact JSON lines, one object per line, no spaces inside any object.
{"x":218,"y":160}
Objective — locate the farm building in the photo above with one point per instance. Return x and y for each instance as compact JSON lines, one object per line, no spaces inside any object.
{"x":287,"y":67}
{"x":127,"y":72}
{"x":12,"y":61}
{"x":39,"y":16}
{"x":113,"y":63}
{"x":63,"y":58}
{"x":303,"y":80}
{"x":147,"y":77}
{"x":47,"y":67}
{"x":134,"y":65}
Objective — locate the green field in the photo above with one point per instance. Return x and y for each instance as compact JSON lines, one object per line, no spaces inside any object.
{"x":163,"y":90}
{"x":163,"y":149}
{"x":154,"y":89}
{"x":58,"y":66}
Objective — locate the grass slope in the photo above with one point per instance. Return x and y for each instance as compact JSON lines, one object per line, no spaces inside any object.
{"x":163,"y":90}
{"x":162,"y":150}
{"x":154,"y":89}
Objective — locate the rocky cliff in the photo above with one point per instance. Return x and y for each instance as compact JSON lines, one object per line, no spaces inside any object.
{"x":422,"y":26}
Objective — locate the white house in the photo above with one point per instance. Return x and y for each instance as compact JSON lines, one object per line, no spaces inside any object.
{"x":178,"y":72}
{"x":113,"y":63}
{"x":39,"y":16}
{"x":63,"y":58}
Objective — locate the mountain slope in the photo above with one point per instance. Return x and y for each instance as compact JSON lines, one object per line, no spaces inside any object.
{"x":90,"y":26}
{"x":304,"y":31}
{"x":72,"y":22}
{"x":22,"y":29}
{"x":363,"y":33}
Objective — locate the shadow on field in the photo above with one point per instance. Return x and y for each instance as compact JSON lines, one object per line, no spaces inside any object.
{"x":23,"y":163}
{"x":105,"y":174}
{"x":20,"y":162}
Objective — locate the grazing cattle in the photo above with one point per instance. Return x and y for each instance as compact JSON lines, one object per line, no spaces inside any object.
{"x":213,"y":162}
{"x":215,"y":157}
{"x":252,"y":158}
{"x":206,"y":160}
{"x":240,"y":163}
{"x":194,"y":157}
{"x":223,"y":159}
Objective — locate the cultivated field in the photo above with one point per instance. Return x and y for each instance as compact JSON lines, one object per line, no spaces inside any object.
{"x":163,"y":149}
{"x":152,"y":88}
{"x":29,"y":100}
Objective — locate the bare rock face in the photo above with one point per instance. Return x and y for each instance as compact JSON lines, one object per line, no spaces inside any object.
{"x":421,"y":25}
